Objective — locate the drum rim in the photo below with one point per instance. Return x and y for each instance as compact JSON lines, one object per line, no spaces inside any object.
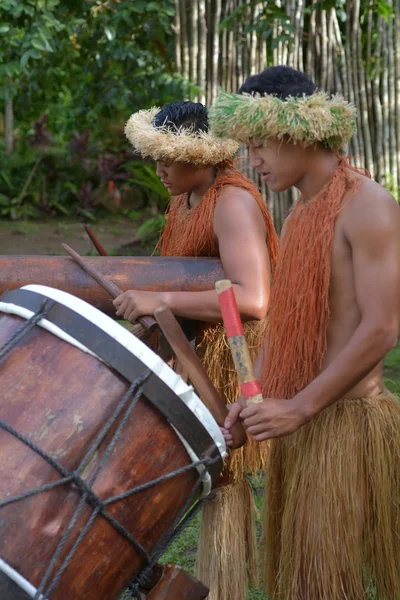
{"x":28,"y":590}
{"x":129,"y":366}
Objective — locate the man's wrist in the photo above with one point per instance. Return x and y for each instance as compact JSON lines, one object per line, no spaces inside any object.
{"x":164,"y":298}
{"x":303,"y":408}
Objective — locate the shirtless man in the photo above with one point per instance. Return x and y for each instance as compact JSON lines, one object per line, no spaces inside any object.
{"x":332,"y":510}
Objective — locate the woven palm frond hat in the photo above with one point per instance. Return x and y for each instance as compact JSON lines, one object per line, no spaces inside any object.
{"x":168,"y":143}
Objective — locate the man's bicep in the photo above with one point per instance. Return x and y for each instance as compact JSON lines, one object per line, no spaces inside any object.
{"x":240,"y":229}
{"x":374,"y":237}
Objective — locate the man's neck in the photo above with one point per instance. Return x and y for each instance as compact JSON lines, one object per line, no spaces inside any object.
{"x":319,"y":170}
{"x":197,"y":194}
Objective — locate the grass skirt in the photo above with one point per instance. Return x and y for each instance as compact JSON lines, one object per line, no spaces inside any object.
{"x":332,"y":509}
{"x":227,"y":559}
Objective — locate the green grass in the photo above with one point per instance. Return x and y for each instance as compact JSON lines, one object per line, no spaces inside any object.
{"x":183,"y":550}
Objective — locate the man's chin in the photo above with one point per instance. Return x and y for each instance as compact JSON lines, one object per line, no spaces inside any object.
{"x":276,"y":187}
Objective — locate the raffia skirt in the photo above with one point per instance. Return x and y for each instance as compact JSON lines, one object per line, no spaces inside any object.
{"x":332,"y":505}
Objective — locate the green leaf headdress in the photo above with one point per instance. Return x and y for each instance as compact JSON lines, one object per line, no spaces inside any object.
{"x":305,"y":119}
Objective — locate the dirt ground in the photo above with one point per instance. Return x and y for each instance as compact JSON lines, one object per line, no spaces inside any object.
{"x":45,"y":238}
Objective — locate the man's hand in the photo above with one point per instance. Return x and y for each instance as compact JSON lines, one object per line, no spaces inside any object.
{"x":234,"y":411}
{"x":134,"y":304}
{"x":273,"y":418}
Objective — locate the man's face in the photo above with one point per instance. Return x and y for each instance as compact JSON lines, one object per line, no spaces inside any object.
{"x":280,"y":163}
{"x":180,"y":177}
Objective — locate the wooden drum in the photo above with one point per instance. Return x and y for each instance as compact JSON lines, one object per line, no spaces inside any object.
{"x":88,"y":416}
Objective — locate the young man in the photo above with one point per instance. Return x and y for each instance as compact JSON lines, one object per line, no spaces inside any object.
{"x":215,"y":211}
{"x":332,"y":509}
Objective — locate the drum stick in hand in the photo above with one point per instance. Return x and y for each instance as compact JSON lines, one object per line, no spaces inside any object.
{"x":147,"y":322}
{"x":249,"y":385}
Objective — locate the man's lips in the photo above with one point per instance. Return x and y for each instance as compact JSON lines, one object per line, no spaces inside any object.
{"x":264,"y":175}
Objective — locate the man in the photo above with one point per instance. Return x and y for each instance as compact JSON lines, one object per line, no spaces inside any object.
{"x":332,"y":508}
{"x":215,"y":211}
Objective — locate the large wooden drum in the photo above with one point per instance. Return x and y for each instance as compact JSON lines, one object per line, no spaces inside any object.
{"x":88,"y":416}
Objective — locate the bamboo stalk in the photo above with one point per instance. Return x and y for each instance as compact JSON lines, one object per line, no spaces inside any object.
{"x":392,"y":102}
{"x":385,"y":104}
{"x":397,"y":87}
{"x":378,"y":112}
{"x":365,"y":132}
{"x":194,"y":41}
{"x":324,"y":51}
{"x":368,"y":81}
{"x":177,"y":38}
{"x":202,"y":49}
{"x":310,"y":57}
{"x":215,"y":51}
{"x":185,"y":41}
{"x":254,"y":13}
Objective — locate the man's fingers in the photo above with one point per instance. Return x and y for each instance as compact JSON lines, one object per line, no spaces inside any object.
{"x":253,"y":420}
{"x":257,"y":428}
{"x":234,"y":411}
{"x":250,"y":410}
{"x":122,"y":307}
{"x":118,"y":300}
{"x":131,"y":315}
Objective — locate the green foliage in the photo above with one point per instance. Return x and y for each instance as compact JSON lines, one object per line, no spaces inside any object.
{"x":269,"y":16}
{"x":82,"y":178}
{"x":76,"y":70}
{"x":82,"y":61}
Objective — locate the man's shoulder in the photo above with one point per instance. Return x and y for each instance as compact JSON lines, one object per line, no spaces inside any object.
{"x":370,"y":208}
{"x":234,"y":191}
{"x":232,"y":197}
{"x":370,"y":194}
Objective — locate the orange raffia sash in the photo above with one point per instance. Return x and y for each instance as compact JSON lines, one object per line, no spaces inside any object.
{"x":299,"y":305}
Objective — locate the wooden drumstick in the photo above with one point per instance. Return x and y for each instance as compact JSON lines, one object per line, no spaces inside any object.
{"x":147,"y":322}
{"x":249,"y":385}
{"x":95,"y":241}
{"x":188,"y":358}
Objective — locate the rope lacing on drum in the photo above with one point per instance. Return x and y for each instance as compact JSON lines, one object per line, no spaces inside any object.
{"x":25,"y":328}
{"x":89,"y":497}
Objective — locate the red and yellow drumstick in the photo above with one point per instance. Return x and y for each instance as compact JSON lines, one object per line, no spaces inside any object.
{"x":249,"y":385}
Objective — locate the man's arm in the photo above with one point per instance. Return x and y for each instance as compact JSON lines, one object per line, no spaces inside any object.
{"x":240,"y":230}
{"x":371,"y":224}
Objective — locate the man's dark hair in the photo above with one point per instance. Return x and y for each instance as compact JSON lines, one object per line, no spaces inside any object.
{"x":280,"y":81}
{"x":188,"y":115}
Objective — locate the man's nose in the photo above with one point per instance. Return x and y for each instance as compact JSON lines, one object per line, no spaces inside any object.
{"x":255,"y":161}
{"x":159,"y":170}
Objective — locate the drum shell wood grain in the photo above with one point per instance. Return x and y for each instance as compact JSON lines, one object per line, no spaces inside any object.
{"x":154,"y":273}
{"x":61,"y":397}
